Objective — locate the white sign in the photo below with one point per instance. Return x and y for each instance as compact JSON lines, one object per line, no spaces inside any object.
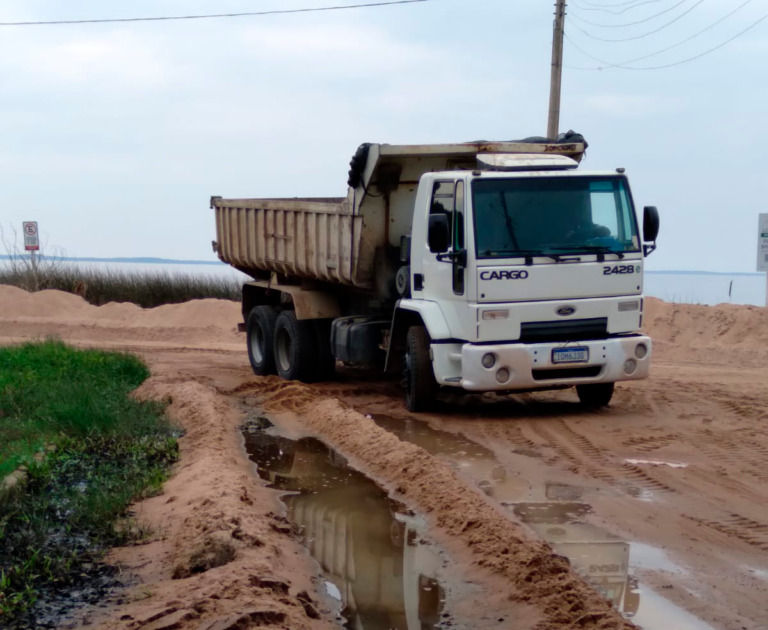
{"x":31,"y":238}
{"x":762,"y":244}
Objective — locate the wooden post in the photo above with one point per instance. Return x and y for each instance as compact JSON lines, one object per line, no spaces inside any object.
{"x":553,"y":128}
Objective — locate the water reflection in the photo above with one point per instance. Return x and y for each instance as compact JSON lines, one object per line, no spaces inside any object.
{"x":368,"y":544}
{"x":602,"y":558}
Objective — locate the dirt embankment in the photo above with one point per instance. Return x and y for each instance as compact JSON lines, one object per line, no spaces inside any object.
{"x":726,"y":334}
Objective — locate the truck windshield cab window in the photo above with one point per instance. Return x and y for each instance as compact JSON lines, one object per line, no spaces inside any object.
{"x":553,"y":215}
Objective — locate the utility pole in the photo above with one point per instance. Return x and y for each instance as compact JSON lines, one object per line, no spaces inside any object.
{"x":553,"y":129}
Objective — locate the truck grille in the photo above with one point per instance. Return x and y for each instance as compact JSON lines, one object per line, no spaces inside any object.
{"x":574,"y":330}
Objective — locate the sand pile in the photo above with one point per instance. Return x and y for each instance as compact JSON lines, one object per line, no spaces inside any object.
{"x":726,"y":334}
{"x":19,"y":305}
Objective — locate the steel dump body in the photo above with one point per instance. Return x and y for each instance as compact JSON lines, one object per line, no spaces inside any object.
{"x":317,"y":239}
{"x":336,"y":240}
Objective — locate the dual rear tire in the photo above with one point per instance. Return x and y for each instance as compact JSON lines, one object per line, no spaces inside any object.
{"x":296,"y":350}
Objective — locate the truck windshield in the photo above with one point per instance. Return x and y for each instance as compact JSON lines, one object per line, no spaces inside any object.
{"x":553,"y":215}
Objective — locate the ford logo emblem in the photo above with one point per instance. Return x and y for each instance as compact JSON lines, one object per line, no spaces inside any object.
{"x":566,"y":311}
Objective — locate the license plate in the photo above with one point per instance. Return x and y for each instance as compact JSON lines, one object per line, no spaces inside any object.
{"x":570,"y":355}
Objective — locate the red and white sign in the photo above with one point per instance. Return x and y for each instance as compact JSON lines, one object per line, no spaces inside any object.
{"x":31,"y":238}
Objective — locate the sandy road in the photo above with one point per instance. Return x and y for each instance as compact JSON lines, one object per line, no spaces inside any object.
{"x":677,"y":467}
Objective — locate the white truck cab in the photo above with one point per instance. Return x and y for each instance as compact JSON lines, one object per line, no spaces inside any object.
{"x":476,"y":266}
{"x":530,"y":278}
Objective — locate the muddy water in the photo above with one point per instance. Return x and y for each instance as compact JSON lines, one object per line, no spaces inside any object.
{"x":378,"y":564}
{"x":606,"y":561}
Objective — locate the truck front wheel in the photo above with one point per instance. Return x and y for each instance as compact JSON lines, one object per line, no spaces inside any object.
{"x":260,"y":330}
{"x":419,"y":379}
{"x":295,"y":348}
{"x":595,"y":396}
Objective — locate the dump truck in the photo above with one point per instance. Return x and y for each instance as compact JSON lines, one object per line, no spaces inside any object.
{"x":474,"y":267}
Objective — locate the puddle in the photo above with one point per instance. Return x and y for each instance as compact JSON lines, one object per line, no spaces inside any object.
{"x":372,"y":549}
{"x":603,"y":559}
{"x":653,"y":559}
{"x":658,"y":613}
{"x":651,"y":462}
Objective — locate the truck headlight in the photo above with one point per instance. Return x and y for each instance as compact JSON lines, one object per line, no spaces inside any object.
{"x":630,"y":367}
{"x":641,"y":351}
{"x":502,"y":375}
{"x":626,"y":307}
{"x":489,"y":360}
{"x":493,"y":315}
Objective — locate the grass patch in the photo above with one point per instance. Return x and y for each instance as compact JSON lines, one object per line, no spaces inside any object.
{"x":146,"y":289}
{"x":89,"y":450}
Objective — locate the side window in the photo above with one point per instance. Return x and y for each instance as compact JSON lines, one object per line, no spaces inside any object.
{"x":443,"y":201}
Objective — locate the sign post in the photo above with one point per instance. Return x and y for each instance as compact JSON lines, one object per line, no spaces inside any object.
{"x":762,"y":250}
{"x":32,"y":242}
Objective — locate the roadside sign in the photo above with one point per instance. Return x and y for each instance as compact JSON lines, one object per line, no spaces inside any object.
{"x":31,"y":238}
{"x":762,"y":243}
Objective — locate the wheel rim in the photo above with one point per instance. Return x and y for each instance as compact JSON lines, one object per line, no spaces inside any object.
{"x":284,"y":345}
{"x":257,"y":342}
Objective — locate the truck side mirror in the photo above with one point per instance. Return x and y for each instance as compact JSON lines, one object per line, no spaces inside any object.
{"x":650,"y":228}
{"x":650,"y":224}
{"x":439,"y":233}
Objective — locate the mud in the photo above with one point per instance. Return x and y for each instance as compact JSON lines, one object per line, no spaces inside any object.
{"x":697,"y":535}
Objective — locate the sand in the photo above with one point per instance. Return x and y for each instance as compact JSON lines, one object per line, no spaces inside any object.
{"x":706,"y":406}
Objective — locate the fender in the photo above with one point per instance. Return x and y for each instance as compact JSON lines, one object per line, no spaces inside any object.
{"x":407,"y":313}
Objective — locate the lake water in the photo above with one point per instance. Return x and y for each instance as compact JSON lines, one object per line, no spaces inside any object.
{"x":709,"y":288}
{"x":689,"y":288}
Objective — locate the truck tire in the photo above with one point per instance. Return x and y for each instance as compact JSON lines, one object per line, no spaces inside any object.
{"x":419,"y":379}
{"x":260,"y":329}
{"x":295,"y":348}
{"x":325,"y":362}
{"x":595,"y":396}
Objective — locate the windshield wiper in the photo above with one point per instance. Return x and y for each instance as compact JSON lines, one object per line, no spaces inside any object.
{"x":601,"y":250}
{"x":528,"y":254}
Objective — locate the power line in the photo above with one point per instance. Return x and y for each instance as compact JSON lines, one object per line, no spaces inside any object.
{"x":643,"y":21}
{"x":669,"y":65}
{"x":634,"y":37}
{"x":215,"y":15}
{"x":606,"y":10}
{"x":680,"y":43}
{"x":620,"y":4}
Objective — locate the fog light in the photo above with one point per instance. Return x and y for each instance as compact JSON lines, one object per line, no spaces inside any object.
{"x":489,"y":360}
{"x":641,"y":351}
{"x":502,"y":375}
{"x":630,"y":366}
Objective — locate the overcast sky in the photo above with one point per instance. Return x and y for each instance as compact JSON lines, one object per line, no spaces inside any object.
{"x":114,"y":137}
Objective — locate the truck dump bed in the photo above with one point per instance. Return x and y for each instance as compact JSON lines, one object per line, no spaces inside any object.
{"x":336,"y":239}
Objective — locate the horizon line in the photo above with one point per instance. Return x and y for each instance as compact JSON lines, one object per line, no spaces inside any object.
{"x":148,"y":260}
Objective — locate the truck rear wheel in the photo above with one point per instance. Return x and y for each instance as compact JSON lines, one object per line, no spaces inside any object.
{"x":260,"y":330}
{"x":295,"y":348}
{"x":420,"y":384}
{"x":595,"y":396}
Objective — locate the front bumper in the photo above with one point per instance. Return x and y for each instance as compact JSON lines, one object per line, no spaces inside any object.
{"x":531,"y":366}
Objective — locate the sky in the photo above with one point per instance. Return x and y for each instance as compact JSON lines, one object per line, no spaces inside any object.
{"x":115,"y":136}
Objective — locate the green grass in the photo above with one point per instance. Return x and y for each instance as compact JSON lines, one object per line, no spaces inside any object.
{"x":89,"y":449}
{"x":146,"y":289}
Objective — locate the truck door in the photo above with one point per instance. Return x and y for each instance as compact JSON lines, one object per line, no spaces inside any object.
{"x":445,"y":279}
